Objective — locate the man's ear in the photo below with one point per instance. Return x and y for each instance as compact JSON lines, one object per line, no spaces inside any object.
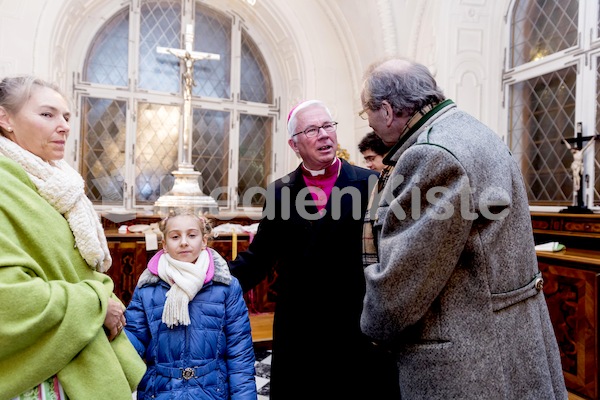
{"x":293,"y":145}
{"x":388,"y":112}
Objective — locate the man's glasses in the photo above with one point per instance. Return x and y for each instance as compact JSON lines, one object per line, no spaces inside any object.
{"x":313,"y":131}
{"x":363,"y":114}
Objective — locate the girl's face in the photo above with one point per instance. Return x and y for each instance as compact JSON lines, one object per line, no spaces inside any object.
{"x":184,"y":239}
{"x":42,"y":125}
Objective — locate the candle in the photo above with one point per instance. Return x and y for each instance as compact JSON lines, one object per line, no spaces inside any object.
{"x":233,"y":244}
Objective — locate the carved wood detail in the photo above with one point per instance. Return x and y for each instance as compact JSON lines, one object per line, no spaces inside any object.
{"x":571,"y":287}
{"x":571,"y":295}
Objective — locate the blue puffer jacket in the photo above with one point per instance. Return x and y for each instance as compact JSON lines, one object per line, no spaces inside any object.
{"x":216,"y":346}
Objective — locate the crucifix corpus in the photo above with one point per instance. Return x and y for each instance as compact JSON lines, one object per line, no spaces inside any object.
{"x":578,"y":151}
{"x":186,"y":191}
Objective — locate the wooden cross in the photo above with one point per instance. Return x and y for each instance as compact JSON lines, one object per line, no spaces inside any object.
{"x":577,"y":165}
{"x":579,"y":139}
{"x":187,"y":57}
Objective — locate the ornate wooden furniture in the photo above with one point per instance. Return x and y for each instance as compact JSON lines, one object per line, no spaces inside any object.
{"x":571,"y":287}
{"x":258,"y":299}
{"x":130,"y":258}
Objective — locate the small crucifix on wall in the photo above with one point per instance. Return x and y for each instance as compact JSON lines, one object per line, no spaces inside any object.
{"x":577,"y":149}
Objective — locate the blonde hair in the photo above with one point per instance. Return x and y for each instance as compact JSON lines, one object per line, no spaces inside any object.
{"x":16,"y":90}
{"x":205,"y":224}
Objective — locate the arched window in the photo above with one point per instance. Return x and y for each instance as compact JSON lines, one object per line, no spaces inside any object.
{"x":131,"y":100}
{"x":552,"y":92}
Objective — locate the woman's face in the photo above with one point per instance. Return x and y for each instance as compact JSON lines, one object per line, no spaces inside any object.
{"x":41,"y":126}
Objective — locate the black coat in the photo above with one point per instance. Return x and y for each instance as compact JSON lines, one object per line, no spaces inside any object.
{"x":320,"y":288}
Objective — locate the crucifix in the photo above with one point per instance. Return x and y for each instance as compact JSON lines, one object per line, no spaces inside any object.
{"x":186,"y":190}
{"x":187,"y":56}
{"x":578,"y":150}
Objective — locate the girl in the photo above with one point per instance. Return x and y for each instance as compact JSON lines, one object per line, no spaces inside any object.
{"x":189,"y":321}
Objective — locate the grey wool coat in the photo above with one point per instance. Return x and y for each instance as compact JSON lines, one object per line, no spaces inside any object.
{"x":456,"y":294}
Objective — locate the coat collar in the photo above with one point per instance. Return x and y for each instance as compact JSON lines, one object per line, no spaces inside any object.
{"x":347,"y":175}
{"x":347,"y":178}
{"x":408,"y":138}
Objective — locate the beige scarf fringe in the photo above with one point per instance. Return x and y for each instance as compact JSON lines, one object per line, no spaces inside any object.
{"x":63,"y":188}
{"x":186,"y":280}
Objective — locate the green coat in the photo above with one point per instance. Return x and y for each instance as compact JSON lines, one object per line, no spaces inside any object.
{"x":52,"y":305}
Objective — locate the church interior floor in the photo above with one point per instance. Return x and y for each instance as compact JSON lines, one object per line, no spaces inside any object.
{"x":262,"y":335}
{"x":573,"y":396}
{"x":263,"y":369}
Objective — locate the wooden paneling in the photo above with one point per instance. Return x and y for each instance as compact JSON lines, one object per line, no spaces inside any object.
{"x":130,"y":258}
{"x":262,"y":327}
{"x":566,"y":225}
{"x":571,"y":295}
{"x":571,"y":283}
{"x":258,"y":299}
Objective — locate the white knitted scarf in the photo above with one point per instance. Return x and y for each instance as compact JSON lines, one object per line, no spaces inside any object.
{"x":186,"y":280}
{"x":63,"y":188}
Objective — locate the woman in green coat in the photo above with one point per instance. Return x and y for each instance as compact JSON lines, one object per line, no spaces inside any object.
{"x":60,"y":322}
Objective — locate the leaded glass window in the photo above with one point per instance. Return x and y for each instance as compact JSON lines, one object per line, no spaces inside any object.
{"x":107,"y":60}
{"x":209,"y":150}
{"x":542,"y":28}
{"x":132,"y":104}
{"x":155,"y":155}
{"x":103,"y":157}
{"x":254,"y":73}
{"x":160,"y":25}
{"x":255,"y":162}
{"x":549,"y":79}
{"x":213,"y":78}
{"x":542,"y":109}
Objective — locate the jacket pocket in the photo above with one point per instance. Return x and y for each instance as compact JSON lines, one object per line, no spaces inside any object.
{"x":507,"y":299}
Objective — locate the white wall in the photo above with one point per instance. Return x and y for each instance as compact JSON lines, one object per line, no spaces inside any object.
{"x":319,"y":48}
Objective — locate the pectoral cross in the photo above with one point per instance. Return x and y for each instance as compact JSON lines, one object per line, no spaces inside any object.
{"x":188,"y":57}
